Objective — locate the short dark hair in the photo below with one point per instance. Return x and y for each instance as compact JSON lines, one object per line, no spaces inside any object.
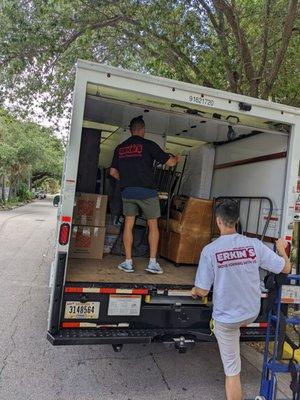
{"x":228,"y":212}
{"x":136,"y":123}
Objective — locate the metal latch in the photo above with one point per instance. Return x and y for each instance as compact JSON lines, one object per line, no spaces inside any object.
{"x":182,"y":344}
{"x":177,"y":307}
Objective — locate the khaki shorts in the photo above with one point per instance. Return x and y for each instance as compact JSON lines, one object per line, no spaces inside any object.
{"x":228,"y":337}
{"x":150,"y":208}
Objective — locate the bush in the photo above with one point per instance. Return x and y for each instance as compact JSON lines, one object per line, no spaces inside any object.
{"x":10,"y":204}
{"x":24,"y":193}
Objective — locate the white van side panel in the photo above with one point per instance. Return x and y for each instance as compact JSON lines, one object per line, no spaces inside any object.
{"x":71,"y":167}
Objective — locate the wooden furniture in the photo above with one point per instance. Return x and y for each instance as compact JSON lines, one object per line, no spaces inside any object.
{"x":188,"y":230}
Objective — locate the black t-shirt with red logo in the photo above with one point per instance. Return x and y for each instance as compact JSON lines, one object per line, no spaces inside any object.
{"x":134,"y":161}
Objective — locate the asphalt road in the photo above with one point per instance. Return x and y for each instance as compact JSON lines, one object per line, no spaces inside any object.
{"x":32,"y":369}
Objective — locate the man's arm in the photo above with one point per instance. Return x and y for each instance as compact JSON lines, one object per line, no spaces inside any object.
{"x":270,"y":261}
{"x":114,"y":173}
{"x":114,"y":170}
{"x":161,"y":156}
{"x":204,"y":276}
{"x":281,"y":245}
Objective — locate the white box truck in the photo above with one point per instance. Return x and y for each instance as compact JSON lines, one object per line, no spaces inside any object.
{"x":250,"y":151}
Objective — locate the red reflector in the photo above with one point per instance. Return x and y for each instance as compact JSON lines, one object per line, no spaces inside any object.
{"x":71,"y":325}
{"x":140,"y":291}
{"x":107,"y":291}
{"x":263,"y":325}
{"x":64,"y":234}
{"x":69,"y":289}
{"x":65,"y":218}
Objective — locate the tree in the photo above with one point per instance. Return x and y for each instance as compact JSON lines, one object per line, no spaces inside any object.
{"x":245,"y":46}
{"x":27,"y":151}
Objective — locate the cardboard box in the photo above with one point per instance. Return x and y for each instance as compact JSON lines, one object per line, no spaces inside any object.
{"x":87,"y":242}
{"x":90,"y":209}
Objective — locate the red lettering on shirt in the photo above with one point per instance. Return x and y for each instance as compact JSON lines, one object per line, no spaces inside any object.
{"x":239,"y":254}
{"x":133,"y":150}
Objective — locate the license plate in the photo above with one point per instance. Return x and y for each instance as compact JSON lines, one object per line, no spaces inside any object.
{"x":78,"y":310}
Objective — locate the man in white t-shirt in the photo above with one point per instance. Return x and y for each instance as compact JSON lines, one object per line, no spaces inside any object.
{"x":231,"y":264}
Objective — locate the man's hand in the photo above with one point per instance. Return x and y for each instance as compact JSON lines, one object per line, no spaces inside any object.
{"x":281,"y":245}
{"x":172,"y":161}
{"x":114,"y":173}
{"x":197,"y":292}
{"x":178,"y":158}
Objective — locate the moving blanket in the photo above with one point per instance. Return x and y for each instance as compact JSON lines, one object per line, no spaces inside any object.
{"x":197,"y":177}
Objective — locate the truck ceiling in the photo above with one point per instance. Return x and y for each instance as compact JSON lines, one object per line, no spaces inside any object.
{"x":135,"y":87}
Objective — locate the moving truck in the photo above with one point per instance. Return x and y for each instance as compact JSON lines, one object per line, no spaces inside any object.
{"x":232,"y":145}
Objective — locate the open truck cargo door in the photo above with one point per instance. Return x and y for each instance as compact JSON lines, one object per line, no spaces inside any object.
{"x":255,"y":154}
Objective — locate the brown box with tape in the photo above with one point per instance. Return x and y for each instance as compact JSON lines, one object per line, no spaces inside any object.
{"x":87,"y":242}
{"x":90,"y":209}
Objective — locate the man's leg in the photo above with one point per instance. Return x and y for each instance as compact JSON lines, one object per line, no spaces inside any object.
{"x":151,"y":210}
{"x":128,"y":236}
{"x":153,"y":265}
{"x":228,"y":337}
{"x":153,"y":237}
{"x":233,"y":387}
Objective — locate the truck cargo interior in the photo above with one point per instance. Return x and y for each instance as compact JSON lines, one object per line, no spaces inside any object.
{"x":235,"y":156}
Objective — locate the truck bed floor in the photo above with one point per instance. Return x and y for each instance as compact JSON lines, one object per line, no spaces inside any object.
{"x":83,"y":270}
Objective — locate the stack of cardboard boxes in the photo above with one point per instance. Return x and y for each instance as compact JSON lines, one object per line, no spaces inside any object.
{"x":88,"y":230}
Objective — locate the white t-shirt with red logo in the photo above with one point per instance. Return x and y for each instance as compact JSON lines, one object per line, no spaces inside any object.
{"x":231,"y":264}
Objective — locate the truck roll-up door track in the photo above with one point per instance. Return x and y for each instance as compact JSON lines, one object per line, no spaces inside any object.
{"x":252,"y":160}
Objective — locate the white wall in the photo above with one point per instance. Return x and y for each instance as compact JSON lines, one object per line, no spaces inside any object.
{"x":266,"y":178}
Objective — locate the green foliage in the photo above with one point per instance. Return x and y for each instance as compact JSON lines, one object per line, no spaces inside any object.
{"x":24,"y":193}
{"x":246,"y":46}
{"x":50,"y":185}
{"x":11,"y":204}
{"x":28,"y":152}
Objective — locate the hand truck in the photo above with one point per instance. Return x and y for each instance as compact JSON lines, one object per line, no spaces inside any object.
{"x":287,"y":293}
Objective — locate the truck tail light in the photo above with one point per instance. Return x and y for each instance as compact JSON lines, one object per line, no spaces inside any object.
{"x":64,"y":234}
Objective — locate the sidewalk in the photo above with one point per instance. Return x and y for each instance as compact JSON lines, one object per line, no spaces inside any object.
{"x":256,"y":360}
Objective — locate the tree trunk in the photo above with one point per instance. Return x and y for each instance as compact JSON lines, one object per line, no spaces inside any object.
{"x":3,"y":188}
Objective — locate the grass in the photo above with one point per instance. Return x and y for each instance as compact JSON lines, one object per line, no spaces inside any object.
{"x":13,"y":203}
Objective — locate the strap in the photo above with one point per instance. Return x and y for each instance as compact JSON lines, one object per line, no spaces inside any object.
{"x":212,"y":327}
{"x":295,"y":382}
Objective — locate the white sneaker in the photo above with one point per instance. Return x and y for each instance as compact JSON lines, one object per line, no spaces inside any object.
{"x":126,"y":267}
{"x":154,"y":268}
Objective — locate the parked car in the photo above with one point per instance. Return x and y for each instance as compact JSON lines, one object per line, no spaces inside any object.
{"x":40,"y":194}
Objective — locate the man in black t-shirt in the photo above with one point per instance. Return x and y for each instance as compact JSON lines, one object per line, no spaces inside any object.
{"x":132,"y":164}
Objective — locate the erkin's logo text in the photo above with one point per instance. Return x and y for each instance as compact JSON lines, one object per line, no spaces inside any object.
{"x":239,"y":254}
{"x":133,"y":150}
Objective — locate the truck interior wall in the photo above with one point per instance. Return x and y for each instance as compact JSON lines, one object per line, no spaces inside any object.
{"x":264,"y":178}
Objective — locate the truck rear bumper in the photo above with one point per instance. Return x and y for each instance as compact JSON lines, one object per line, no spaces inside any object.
{"x":128,"y":336}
